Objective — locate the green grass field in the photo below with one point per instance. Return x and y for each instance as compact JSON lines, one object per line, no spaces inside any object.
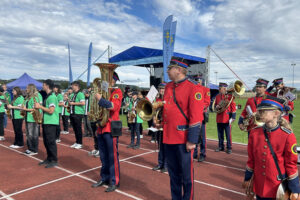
{"x":237,"y":134}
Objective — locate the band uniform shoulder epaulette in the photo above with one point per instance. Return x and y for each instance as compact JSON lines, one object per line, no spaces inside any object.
{"x":192,"y":81}
{"x":288,"y":131}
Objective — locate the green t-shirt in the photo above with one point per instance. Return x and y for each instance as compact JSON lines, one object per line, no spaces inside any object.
{"x":53,"y":118}
{"x":2,"y":109}
{"x":16,"y":112}
{"x":79,"y":110}
{"x":59,"y":100}
{"x":30,"y":105}
{"x":64,"y":111}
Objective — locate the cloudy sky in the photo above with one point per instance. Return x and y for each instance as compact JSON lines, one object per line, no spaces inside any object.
{"x":256,"y":38}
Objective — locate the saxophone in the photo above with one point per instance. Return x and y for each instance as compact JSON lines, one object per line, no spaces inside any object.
{"x":36,"y":114}
{"x":97,"y":113}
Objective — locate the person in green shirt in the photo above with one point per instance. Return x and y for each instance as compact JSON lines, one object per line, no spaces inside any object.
{"x":135,"y":126}
{"x":50,"y":122}
{"x":65,"y":114}
{"x":8,"y":98}
{"x":77,"y":102}
{"x":2,"y":113}
{"x":32,"y":126}
{"x":60,"y":100}
{"x":86,"y":122}
{"x":17,"y":118}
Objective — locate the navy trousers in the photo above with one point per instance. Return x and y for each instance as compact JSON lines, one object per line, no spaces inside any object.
{"x":227,"y":128}
{"x":202,"y":142}
{"x":109,"y":156}
{"x":181,"y":171}
{"x":162,"y":162}
{"x":135,"y":130}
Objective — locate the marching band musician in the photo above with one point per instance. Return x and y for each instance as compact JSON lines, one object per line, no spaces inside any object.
{"x":253,"y":102}
{"x":202,"y":138}
{"x":17,"y":119}
{"x":2,"y":113}
{"x":65,"y":115}
{"x":86,"y":122}
{"x":162,"y":162}
{"x":32,"y":127}
{"x":8,"y":98}
{"x":108,"y":145}
{"x":60,"y":100}
{"x":183,"y":99}
{"x":225,"y":119}
{"x":76,"y":114}
{"x":269,"y":146}
{"x":135,"y":125}
{"x":50,"y":123}
{"x":279,"y":86}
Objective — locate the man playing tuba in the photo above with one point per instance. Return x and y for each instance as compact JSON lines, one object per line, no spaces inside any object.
{"x":225,"y":118}
{"x":108,"y":145}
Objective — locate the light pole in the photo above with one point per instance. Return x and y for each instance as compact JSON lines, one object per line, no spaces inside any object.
{"x":293,"y":65}
{"x":216,"y":77}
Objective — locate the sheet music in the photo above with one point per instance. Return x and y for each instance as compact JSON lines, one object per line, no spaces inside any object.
{"x":152,"y":94}
{"x":290,"y":96}
{"x":249,"y":111}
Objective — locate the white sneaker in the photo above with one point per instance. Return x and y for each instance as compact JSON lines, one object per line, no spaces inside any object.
{"x":33,"y":153}
{"x":91,"y":153}
{"x":97,"y":154}
{"x":17,"y":147}
{"x":78,"y":146}
{"x":12,"y":146}
{"x":152,"y":141}
{"x":66,"y":132}
{"x":27,"y":152}
{"x":58,"y":141}
{"x":141,"y":136}
{"x":2,"y":138}
{"x":74,"y":145}
{"x":62,"y":132}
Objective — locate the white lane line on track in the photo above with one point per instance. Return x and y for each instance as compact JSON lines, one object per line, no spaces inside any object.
{"x":72,"y":174}
{"x":201,"y":182}
{"x":3,"y":194}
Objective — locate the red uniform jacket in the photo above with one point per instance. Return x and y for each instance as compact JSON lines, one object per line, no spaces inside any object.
{"x":253,"y":102}
{"x":261,"y":162}
{"x":116,"y":98}
{"x":226,"y":115}
{"x":206,"y":94}
{"x":189,"y":96}
{"x":290,"y":106}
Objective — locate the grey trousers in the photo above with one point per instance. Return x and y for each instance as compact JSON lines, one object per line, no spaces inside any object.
{"x":87,"y":126}
{"x":32,"y":134}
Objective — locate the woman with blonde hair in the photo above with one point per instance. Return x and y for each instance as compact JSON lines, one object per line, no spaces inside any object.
{"x":272,"y":154}
{"x":32,"y":126}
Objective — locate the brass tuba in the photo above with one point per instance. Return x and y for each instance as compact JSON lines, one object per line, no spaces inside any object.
{"x":102,"y":86}
{"x":237,"y":88}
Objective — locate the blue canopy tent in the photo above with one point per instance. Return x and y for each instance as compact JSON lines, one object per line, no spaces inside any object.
{"x":23,"y":81}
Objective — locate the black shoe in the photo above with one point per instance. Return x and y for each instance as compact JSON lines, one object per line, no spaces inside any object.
{"x":51,"y":164}
{"x":87,"y":135}
{"x":201,"y":158}
{"x":219,"y":149}
{"x":111,"y":188}
{"x":98,"y":184}
{"x":136,"y":147}
{"x":229,"y":151}
{"x":156,"y":168}
{"x":45,"y":162}
{"x":130,"y":146}
{"x":163,"y":170}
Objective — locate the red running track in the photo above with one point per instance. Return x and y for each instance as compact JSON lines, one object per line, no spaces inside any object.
{"x":219,"y":177}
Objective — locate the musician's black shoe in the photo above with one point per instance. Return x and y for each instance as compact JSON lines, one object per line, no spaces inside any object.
{"x":130,"y":146}
{"x":87,"y":135}
{"x":111,"y":188}
{"x":219,"y":149}
{"x":100,"y":183}
{"x":45,"y":162}
{"x":136,"y":147}
{"x":163,"y":170}
{"x":156,"y":168}
{"x":229,"y":151}
{"x":201,"y":158}
{"x":51,"y":164}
